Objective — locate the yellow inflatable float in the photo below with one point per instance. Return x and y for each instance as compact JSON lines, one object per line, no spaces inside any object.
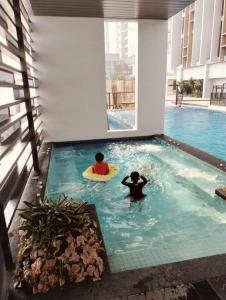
{"x":88,"y":173}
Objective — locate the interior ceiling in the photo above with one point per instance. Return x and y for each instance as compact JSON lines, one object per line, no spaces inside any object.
{"x":113,"y":9}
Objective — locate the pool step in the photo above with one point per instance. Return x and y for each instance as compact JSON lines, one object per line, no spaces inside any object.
{"x":169,"y":163}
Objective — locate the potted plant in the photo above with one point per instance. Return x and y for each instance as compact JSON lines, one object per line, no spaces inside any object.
{"x":59,"y":243}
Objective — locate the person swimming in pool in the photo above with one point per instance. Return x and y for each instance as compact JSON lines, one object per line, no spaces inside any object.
{"x":135,"y":186}
{"x":100,"y":167}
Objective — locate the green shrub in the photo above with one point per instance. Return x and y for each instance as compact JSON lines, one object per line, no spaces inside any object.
{"x":192,"y":87}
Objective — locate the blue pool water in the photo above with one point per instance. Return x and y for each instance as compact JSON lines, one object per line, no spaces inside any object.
{"x":181,"y":217}
{"x":121,"y":119}
{"x":201,"y":128}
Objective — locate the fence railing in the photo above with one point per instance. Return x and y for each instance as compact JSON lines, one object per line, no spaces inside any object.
{"x":117,"y":100}
{"x":179,"y":94}
{"x":218,"y":95}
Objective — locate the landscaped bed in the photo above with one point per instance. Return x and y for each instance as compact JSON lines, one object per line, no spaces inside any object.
{"x":59,"y":243}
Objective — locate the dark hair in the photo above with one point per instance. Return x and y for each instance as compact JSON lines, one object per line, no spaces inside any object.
{"x":99,"y":157}
{"x":134,"y":176}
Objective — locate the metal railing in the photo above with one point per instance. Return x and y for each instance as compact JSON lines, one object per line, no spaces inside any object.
{"x":179,"y":94}
{"x":218,"y":95}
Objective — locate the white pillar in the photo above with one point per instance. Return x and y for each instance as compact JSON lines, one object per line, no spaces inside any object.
{"x":176,"y":42}
{"x":216,"y":32}
{"x":207,"y":22}
{"x":197,"y":32}
{"x":152,"y":55}
{"x":207,"y":84}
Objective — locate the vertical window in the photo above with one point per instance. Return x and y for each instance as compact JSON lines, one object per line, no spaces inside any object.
{"x":121,"y":43}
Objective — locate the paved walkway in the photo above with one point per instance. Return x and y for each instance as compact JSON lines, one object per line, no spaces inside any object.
{"x":202,"y":290}
{"x":180,"y":292}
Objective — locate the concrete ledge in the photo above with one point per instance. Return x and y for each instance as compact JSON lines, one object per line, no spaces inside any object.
{"x":221,"y":192}
{"x":204,"y":156}
{"x":105,"y":140}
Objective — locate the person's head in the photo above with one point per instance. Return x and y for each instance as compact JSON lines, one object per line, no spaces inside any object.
{"x":99,"y":157}
{"x":135,"y":176}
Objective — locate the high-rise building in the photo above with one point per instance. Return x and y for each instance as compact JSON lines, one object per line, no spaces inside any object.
{"x":121,"y":43}
{"x":198,"y":44}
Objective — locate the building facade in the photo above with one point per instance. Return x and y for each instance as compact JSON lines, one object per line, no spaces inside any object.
{"x":120,"y":47}
{"x":197,"y":44}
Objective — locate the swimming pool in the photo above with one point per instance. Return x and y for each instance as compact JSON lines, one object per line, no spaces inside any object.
{"x":121,"y":119}
{"x":204,"y":129}
{"x":181,"y":218}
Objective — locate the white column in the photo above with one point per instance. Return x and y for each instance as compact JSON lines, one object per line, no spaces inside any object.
{"x":197,"y":32}
{"x":216,"y":32}
{"x":176,"y":42}
{"x":180,"y":73}
{"x":207,"y":22}
{"x":152,"y":48}
{"x":207,"y":84}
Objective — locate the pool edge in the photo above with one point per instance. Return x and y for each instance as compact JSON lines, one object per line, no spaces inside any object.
{"x":202,"y":155}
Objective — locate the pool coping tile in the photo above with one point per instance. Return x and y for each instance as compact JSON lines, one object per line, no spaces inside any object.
{"x":204,"y":156}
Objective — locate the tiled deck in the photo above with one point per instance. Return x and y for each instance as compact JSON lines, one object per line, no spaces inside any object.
{"x":198,"y":291}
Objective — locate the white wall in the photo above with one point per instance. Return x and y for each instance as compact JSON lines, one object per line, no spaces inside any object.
{"x":176,"y":41}
{"x":71,"y":64}
{"x":217,"y":70}
{"x":219,"y":81}
{"x":197,"y":32}
{"x":152,"y":60}
{"x":207,"y":23}
{"x":194,"y":72}
{"x":216,"y":30}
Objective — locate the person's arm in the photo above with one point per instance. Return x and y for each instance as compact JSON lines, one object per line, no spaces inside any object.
{"x":124,"y":181}
{"x":144,"y":180}
{"x":93,"y":169}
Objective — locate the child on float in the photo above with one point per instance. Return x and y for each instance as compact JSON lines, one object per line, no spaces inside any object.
{"x":100,"y":167}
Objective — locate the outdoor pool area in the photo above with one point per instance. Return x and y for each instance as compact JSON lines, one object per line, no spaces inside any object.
{"x":202,"y":128}
{"x":181,"y":218}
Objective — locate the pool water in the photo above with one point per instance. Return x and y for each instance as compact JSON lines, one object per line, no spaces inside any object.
{"x":181,"y":217}
{"x":121,"y":119}
{"x":204,"y":129}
